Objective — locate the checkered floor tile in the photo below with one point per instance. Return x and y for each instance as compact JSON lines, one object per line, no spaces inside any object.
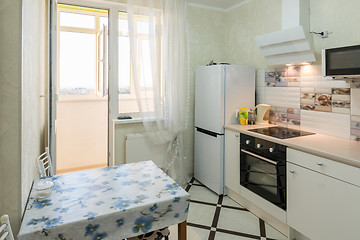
{"x":213,"y":217}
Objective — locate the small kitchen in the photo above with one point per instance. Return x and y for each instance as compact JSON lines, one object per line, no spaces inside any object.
{"x":294,"y":161}
{"x":272,"y":127}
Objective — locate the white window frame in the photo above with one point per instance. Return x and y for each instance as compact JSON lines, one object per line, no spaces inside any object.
{"x":132,"y":95}
{"x":99,"y":92}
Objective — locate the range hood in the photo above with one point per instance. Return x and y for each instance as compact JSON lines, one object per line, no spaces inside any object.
{"x":293,"y":44}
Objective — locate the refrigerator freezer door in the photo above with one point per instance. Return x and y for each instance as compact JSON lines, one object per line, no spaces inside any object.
{"x":209,"y":98}
{"x":209,"y":161}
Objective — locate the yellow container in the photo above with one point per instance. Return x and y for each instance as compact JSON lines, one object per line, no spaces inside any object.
{"x":243,"y":115}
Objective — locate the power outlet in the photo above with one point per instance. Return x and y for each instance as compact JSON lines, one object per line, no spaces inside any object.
{"x":324,"y":34}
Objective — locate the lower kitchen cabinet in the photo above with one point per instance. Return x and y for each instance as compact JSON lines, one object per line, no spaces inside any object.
{"x":320,"y":206}
{"x":232,"y":160}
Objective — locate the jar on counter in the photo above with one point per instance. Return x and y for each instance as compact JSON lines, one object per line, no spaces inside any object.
{"x":251,"y":117}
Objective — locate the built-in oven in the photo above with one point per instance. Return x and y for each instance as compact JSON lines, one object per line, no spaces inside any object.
{"x":263,"y":169}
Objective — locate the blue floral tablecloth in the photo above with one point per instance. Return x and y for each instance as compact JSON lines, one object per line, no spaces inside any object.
{"x":108,"y":203}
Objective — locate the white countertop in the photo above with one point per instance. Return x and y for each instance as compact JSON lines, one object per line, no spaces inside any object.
{"x":334,"y":148}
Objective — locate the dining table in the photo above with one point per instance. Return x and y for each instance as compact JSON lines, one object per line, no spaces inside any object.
{"x":116,"y":202}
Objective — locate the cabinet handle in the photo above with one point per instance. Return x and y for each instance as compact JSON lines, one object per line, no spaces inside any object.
{"x":320,"y":163}
{"x":237,"y":135}
{"x":292,"y":171}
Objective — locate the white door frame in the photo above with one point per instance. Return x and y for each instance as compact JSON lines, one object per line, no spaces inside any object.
{"x":52,"y":80}
{"x":114,"y":9}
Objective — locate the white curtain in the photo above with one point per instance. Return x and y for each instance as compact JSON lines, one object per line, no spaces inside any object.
{"x":159,"y":68}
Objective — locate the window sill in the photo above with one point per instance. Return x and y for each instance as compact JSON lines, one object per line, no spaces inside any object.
{"x":126,"y":121}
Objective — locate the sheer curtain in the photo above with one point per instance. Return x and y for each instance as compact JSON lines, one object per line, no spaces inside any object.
{"x":159,"y":67}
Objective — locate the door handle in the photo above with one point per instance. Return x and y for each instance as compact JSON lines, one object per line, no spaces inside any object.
{"x":259,"y":157}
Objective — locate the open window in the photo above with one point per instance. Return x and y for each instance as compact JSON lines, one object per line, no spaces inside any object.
{"x":82,"y":51}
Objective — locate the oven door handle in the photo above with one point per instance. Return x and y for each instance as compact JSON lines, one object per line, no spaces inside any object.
{"x":260,"y":157}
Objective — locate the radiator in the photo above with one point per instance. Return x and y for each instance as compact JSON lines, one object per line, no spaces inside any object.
{"x":139,"y":148}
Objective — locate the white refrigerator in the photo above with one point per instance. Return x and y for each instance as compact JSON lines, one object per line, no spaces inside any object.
{"x":220,"y":90}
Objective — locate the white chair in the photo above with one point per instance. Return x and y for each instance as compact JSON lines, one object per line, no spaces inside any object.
{"x":5,"y":228}
{"x":44,"y":164}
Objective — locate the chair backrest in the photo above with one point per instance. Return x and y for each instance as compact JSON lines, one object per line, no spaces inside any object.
{"x":5,"y":228}
{"x":45,"y":164}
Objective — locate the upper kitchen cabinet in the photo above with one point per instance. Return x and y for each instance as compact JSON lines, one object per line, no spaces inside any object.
{"x":232,"y":160}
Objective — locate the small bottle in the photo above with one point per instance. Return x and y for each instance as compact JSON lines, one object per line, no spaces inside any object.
{"x":251,"y":117}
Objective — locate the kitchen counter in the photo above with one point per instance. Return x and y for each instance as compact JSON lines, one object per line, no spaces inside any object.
{"x":334,"y":148}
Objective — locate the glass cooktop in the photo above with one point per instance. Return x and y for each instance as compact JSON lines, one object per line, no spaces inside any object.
{"x":281,"y":132}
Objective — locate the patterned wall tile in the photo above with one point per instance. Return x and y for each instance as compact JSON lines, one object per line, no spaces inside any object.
{"x":341,"y":100}
{"x":281,"y":79}
{"x":322,"y":102}
{"x":270,"y":79}
{"x":355,"y":84}
{"x":281,"y":116}
{"x":325,"y":104}
{"x":293,"y":117}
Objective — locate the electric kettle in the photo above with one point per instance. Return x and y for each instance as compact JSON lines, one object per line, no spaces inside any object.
{"x":262,"y":114}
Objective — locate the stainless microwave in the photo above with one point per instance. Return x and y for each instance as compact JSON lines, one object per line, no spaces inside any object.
{"x":343,"y":61}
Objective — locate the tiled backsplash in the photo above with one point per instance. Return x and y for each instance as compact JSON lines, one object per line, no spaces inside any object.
{"x":300,"y":97}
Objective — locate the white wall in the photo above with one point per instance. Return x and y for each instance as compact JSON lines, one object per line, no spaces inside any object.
{"x":34,"y":76}
{"x":339,"y":17}
{"x":10,"y":109}
{"x":22,"y":78}
{"x":258,"y":17}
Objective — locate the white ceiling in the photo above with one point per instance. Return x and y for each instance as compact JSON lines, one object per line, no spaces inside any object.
{"x":223,"y":5}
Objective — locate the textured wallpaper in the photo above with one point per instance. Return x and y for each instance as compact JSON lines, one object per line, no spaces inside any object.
{"x":339,"y":17}
{"x":243,"y":24}
{"x":33,"y":85}
{"x":10,"y":110}
{"x":259,"y":17}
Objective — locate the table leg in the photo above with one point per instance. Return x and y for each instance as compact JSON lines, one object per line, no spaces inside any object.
{"x":182,"y":231}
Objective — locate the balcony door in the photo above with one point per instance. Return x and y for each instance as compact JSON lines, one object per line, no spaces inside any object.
{"x":81,"y":127}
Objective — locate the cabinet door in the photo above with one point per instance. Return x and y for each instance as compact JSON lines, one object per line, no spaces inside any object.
{"x":322,"y":207}
{"x":232,"y":160}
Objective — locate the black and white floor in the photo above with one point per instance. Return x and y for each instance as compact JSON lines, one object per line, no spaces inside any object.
{"x":213,"y":217}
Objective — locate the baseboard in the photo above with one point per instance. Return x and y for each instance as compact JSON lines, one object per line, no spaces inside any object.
{"x":67,"y":170}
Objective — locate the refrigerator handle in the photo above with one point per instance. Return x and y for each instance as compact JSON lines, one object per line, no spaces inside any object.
{"x":207,"y":132}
